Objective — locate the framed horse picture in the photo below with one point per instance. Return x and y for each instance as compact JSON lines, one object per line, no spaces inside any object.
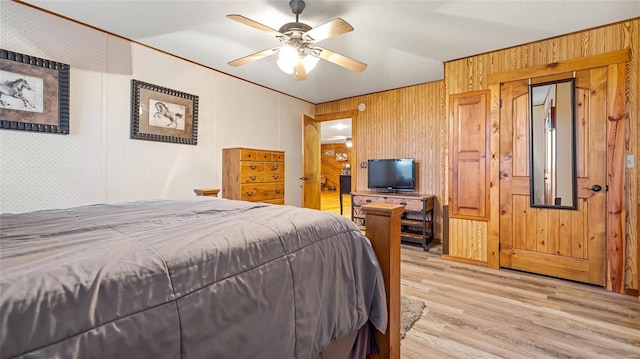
{"x":162,"y":114}
{"x":34,"y":93}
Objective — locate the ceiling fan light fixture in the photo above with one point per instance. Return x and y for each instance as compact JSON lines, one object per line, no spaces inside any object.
{"x":310,"y":62}
{"x":287,"y":59}
{"x":287,"y":70}
{"x":299,"y":55}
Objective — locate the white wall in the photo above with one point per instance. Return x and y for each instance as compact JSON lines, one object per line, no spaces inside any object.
{"x":98,"y":162}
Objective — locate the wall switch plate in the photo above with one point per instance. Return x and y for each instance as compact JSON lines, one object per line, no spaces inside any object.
{"x":631,"y":161}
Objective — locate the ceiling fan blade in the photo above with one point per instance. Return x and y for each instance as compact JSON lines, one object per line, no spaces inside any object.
{"x":253,"y":57}
{"x":329,"y":29}
{"x":341,"y":60}
{"x":256,"y":25}
{"x":300,"y":72}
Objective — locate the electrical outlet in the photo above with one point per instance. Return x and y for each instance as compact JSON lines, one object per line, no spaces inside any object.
{"x":363,"y":164}
{"x":631,"y":161}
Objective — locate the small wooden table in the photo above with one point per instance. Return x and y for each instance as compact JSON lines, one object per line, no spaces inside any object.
{"x":345,"y":187}
{"x":210,"y":192}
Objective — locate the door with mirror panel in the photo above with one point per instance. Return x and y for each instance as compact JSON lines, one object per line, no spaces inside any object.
{"x":545,"y":228}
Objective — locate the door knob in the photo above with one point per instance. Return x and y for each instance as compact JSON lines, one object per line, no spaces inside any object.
{"x":596,"y":188}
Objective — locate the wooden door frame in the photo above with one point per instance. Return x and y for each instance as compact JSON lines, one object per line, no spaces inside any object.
{"x":615,"y":222}
{"x":353,"y":114}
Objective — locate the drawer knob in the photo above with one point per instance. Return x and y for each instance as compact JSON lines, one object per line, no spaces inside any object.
{"x":253,"y":167}
{"x":368,"y":201}
{"x":253,"y":178}
{"x":403,"y":203}
{"x":275,"y":177}
{"x":274,"y":167}
{"x":278,"y":190}
{"x":249,"y":193}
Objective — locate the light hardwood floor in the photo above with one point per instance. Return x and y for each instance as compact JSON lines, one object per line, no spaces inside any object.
{"x":330,"y":202}
{"x":477,"y":312}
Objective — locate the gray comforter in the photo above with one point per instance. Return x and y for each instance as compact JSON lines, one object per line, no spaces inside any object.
{"x":194,"y":278}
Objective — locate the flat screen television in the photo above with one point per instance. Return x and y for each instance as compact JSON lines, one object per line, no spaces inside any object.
{"x":393,"y":175}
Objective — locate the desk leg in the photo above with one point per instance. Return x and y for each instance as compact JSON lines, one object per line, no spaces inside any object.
{"x":340,"y":203}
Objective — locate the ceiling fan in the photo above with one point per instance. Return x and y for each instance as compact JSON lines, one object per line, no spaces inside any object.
{"x":298,"y":53}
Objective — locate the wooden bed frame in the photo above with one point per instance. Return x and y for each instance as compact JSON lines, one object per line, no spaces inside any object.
{"x":382,"y":227}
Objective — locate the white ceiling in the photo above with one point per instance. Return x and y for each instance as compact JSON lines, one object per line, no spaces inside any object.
{"x":403,"y":42}
{"x":335,"y":131}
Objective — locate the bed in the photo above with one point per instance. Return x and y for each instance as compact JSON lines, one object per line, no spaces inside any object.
{"x":188,"y":278}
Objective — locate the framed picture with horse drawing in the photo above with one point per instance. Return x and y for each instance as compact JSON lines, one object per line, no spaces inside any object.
{"x":34,"y":93}
{"x":162,"y":114}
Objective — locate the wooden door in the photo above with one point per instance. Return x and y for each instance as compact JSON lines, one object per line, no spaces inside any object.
{"x":469,"y":160}
{"x":562,"y":243}
{"x":311,"y":163}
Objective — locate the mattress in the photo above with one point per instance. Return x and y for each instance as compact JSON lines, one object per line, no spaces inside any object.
{"x":186,"y":278}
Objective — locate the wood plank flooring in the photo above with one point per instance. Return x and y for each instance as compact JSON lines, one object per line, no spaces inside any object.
{"x":478,"y":312}
{"x":330,"y":202}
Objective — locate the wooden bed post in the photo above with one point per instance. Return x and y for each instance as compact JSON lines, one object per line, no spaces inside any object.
{"x":382,"y":226}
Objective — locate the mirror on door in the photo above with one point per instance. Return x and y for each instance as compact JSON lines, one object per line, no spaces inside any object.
{"x":552,"y":139}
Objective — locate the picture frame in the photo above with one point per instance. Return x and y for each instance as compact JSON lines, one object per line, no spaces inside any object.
{"x":162,"y":114}
{"x":34,"y":93}
{"x":329,"y":153}
{"x":342,"y":156}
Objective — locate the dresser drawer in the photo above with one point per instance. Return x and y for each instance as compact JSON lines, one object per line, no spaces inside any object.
{"x":277,"y":156}
{"x":251,"y":172}
{"x":249,"y":177}
{"x":274,"y":177}
{"x":263,"y":156}
{"x":263,"y":191}
{"x":409,"y":204}
{"x":274,"y":172}
{"x":362,"y":200}
{"x":248,"y":155}
{"x":274,"y":167}
{"x":274,"y":201}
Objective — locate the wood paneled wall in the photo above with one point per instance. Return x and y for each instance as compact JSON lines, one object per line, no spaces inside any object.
{"x":470,"y":74}
{"x":331,"y":167}
{"x":407,"y":122}
{"x":412,"y":122}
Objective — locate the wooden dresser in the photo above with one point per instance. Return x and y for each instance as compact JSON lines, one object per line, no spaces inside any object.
{"x":253,"y":175}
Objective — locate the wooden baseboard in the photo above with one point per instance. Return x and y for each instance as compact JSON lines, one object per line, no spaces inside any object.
{"x":464,"y":260}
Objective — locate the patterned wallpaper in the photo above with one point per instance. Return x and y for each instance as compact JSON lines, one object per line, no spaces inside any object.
{"x":98,"y":162}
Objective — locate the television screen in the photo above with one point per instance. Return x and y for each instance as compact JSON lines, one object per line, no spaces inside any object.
{"x":396,"y":174}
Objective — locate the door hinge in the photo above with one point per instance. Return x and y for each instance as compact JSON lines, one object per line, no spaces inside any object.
{"x":606,"y":188}
{"x":500,"y":103}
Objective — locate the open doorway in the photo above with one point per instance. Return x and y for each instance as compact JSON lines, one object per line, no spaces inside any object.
{"x":336,"y":163}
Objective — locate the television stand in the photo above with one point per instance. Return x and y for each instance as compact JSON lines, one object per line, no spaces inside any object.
{"x":416,"y":225}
